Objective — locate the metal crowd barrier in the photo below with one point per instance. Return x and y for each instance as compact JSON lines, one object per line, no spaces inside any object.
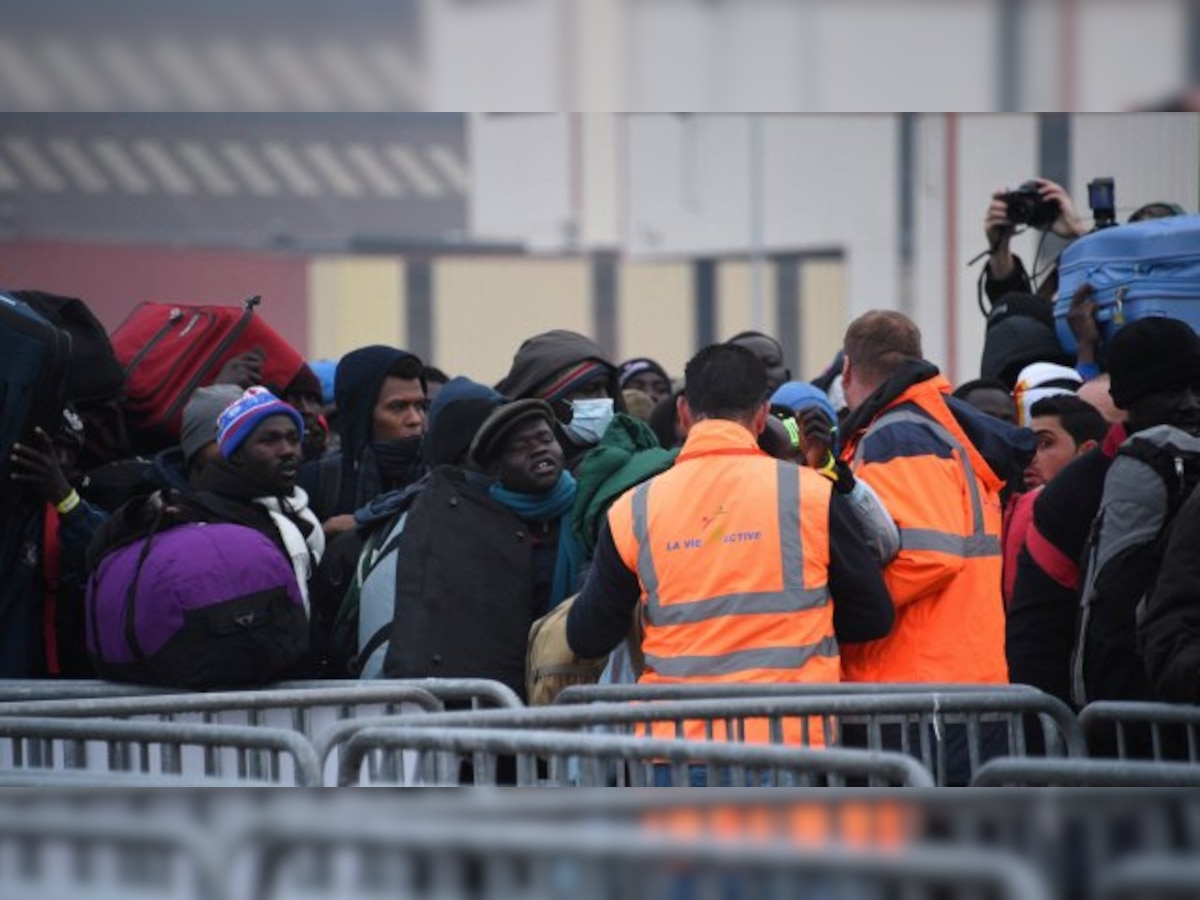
{"x":1160,"y":878}
{"x":192,"y":754}
{"x":1085,"y":773}
{"x":1142,"y":730}
{"x":335,"y":844}
{"x":952,"y":734}
{"x":58,"y":855}
{"x":307,"y":708}
{"x":453,"y":859}
{"x":441,"y":756}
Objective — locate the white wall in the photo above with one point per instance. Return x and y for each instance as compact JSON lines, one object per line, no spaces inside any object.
{"x":809,"y":56}
{"x":682,"y":184}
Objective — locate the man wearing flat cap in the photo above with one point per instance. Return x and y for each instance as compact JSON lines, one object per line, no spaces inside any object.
{"x":486,"y":551}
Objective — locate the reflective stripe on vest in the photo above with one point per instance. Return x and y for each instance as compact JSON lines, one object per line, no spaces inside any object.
{"x":793,"y":598}
{"x":975,"y":545}
{"x":791,"y":658}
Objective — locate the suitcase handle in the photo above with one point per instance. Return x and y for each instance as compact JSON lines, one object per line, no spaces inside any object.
{"x":250,"y":302}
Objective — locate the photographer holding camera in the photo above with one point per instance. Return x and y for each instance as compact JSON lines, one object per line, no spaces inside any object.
{"x":1041,"y":204}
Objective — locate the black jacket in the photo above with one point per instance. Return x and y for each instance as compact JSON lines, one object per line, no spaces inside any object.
{"x":1040,"y":629}
{"x":465,"y":586}
{"x":1169,"y":625}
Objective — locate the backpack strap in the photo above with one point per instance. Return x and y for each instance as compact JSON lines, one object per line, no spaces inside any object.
{"x":377,"y":640}
{"x":329,"y":483}
{"x":128,"y":615}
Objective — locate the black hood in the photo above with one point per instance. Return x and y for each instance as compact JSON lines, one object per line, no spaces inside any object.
{"x":357,"y":382}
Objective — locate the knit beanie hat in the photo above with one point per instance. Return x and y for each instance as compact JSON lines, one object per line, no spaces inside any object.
{"x":200,"y":416}
{"x":454,"y":417}
{"x":637,"y":366}
{"x":242,"y":416}
{"x":1040,"y":380}
{"x":1152,"y":355}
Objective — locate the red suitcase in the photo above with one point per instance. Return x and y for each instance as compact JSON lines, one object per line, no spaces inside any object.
{"x":169,"y":350}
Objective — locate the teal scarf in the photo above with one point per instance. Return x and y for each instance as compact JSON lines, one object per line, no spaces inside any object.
{"x":556,"y":503}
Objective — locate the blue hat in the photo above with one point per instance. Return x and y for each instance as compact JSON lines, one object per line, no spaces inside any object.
{"x":800,"y":395}
{"x":324,"y":369}
{"x":241,"y":417}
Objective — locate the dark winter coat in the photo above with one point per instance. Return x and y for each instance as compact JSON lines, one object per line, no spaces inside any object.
{"x":1169,"y":622}
{"x":1040,"y":629}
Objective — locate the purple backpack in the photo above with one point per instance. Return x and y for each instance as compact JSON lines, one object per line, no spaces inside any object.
{"x":197,"y":606}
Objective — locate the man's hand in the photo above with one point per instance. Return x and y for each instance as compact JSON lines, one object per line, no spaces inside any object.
{"x":1082,"y":318}
{"x":244,"y":370}
{"x":998,"y":231}
{"x":37,"y":466}
{"x":1068,"y":224}
{"x":817,"y":440}
{"x":337,"y":525}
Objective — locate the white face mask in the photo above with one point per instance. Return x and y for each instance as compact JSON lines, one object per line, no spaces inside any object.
{"x":589,"y":419}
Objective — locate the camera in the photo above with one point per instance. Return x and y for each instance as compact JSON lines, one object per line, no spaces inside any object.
{"x":1102,"y":200}
{"x":1026,"y":206}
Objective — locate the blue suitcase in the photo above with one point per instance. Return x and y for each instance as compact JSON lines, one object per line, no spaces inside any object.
{"x":33,"y":378}
{"x":1138,"y":271}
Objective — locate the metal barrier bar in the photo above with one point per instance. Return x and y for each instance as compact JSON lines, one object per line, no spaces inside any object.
{"x":557,"y":759}
{"x":921,"y":725}
{"x":191,"y":752}
{"x":479,"y":692}
{"x":1142,"y":730}
{"x":1084,"y":773}
{"x":622,"y":693}
{"x":1160,"y":877}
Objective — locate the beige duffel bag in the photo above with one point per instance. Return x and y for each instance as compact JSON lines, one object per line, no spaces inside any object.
{"x":550,"y":665}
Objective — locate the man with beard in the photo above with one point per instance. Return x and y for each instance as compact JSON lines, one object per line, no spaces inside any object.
{"x":381,"y":402}
{"x":252,"y":483}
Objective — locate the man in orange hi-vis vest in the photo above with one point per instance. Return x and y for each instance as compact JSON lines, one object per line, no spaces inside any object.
{"x":938,"y":465}
{"x":747,"y":568}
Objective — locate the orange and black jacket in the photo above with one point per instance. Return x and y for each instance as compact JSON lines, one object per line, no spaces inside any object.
{"x":938,"y":466}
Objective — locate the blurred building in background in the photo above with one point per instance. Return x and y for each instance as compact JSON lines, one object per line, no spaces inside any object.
{"x":459,"y":234}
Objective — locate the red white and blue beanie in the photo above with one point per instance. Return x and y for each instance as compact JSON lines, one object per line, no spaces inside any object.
{"x":241,"y":417}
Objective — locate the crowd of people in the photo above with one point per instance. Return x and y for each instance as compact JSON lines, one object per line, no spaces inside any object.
{"x":729,"y":523}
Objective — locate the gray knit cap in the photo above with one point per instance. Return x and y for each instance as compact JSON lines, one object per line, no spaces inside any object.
{"x":200,"y":416}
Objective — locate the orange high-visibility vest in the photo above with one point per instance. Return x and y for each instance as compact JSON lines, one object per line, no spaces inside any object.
{"x":946,"y":580}
{"x":731,"y":548}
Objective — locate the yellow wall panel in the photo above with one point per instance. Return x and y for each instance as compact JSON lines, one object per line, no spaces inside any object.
{"x":656,"y":314}
{"x":822,"y":317}
{"x":354,"y":301}
{"x":735,"y":304}
{"x":484,"y":309}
